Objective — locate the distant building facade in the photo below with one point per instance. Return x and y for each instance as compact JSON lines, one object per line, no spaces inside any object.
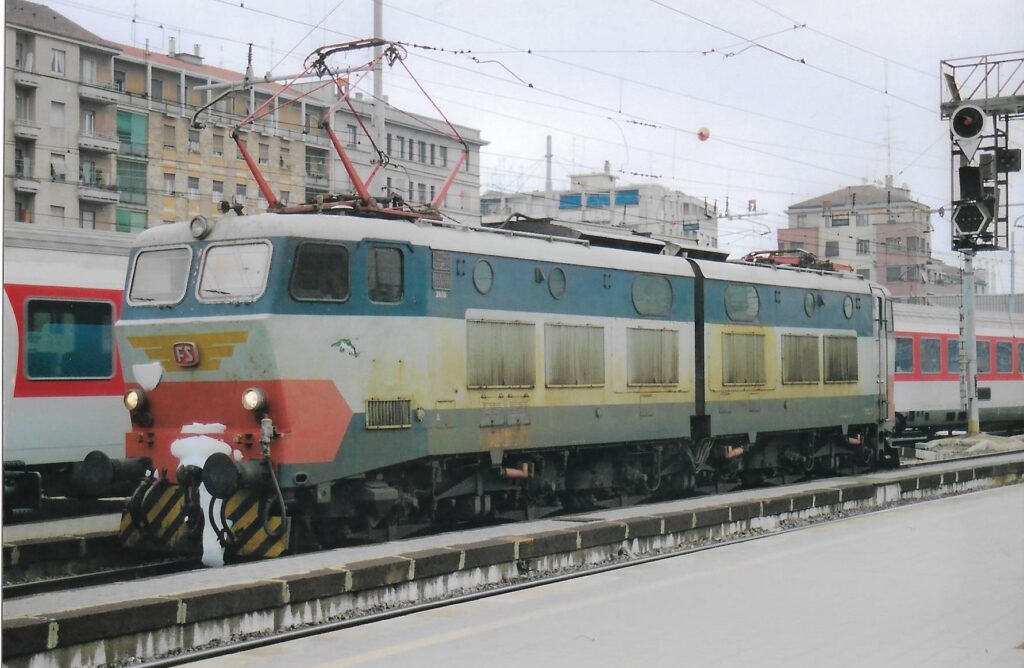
{"x":599,"y":199}
{"x":119,"y":118}
{"x":881,"y":231}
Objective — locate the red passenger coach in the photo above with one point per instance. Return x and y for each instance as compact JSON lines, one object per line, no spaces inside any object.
{"x":928,"y":368}
{"x":63,"y":384}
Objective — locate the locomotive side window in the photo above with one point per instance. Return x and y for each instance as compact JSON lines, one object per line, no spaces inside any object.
{"x":652,"y":295}
{"x":904,"y":355}
{"x":321,"y":273}
{"x":1004,"y":357}
{"x":800,"y":359}
{"x":743,"y":359}
{"x":234,"y":272}
{"x":652,"y":356}
{"x":931,"y":356}
{"x":69,"y":339}
{"x":499,"y":354}
{"x":385,"y":275}
{"x":953,"y":355}
{"x":160,"y":276}
{"x":573,"y":355}
{"x":840,"y":359}
{"x":741,"y":303}
{"x":984,"y":356}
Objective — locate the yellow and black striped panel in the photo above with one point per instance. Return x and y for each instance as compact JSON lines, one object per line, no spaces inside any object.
{"x":250,"y":537}
{"x":156,"y":519}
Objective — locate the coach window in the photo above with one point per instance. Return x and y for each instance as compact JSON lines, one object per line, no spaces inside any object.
{"x":1004,"y":357}
{"x":320,"y":273}
{"x":652,"y":295}
{"x":931,"y":356}
{"x":1020,"y":357}
{"x":984,"y":356}
{"x":69,"y":340}
{"x":904,"y":355}
{"x":953,"y":356}
{"x":741,"y":303}
{"x":159,"y":276}
{"x":385,"y":275}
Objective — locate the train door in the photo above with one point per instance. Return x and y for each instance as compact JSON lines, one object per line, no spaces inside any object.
{"x":882,"y":326}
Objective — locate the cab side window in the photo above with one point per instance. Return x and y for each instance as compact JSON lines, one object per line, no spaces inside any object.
{"x":321,"y":273}
{"x":385,"y":275}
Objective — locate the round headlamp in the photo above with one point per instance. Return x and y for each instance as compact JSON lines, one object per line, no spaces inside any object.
{"x":200,"y":227}
{"x":135,"y":400}
{"x":253,"y":399}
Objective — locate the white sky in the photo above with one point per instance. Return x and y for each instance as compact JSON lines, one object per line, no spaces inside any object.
{"x":781,"y":130}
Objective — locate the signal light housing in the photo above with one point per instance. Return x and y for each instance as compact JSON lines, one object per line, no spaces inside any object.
{"x":967,"y":125}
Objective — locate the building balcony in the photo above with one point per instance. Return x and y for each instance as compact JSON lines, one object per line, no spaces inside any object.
{"x":24,"y":177}
{"x":95,"y":141}
{"x":23,"y":78}
{"x":93,"y":190}
{"x":316,"y":180}
{"x":97,"y":92}
{"x":24,"y":128}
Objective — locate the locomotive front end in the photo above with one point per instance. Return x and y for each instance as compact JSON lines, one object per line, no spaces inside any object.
{"x":211,"y":410}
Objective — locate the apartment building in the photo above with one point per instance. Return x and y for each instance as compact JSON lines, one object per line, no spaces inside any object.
{"x":122,"y":118}
{"x":599,"y":199}
{"x":60,"y":130}
{"x":881,"y":231}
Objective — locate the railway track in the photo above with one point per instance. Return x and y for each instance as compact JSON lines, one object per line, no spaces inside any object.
{"x":108,"y":576}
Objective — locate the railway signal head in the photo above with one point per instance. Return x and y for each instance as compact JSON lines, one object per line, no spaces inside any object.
{"x":967,"y":125}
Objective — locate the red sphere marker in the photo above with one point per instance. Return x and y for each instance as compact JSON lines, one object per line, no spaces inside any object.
{"x":703,"y":134}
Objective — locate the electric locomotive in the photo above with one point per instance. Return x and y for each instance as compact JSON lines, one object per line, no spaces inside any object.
{"x":308,"y":379}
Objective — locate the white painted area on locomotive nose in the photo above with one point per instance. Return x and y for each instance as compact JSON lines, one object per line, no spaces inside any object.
{"x":194,"y":450}
{"x":148,"y":375}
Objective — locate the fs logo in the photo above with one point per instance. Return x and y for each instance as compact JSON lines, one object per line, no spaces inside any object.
{"x":186,"y":353}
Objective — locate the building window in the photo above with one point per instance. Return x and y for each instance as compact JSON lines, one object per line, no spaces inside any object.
{"x":132,"y":131}
{"x":157,"y":90}
{"x":433,"y":154}
{"x":130,"y":221}
{"x":88,"y":70}
{"x":893,"y":274}
{"x":264,"y":153}
{"x":388,"y":150}
{"x":400,"y":140}
{"x":411,"y":144}
{"x":87,"y":219}
{"x":285,"y":158}
{"x":285,"y":197}
{"x":57,"y":215}
{"x":840,"y":221}
{"x":58,"y":167}
{"x":57,"y":62}
{"x":433,"y":192}
{"x":350,"y":132}
{"x":87,"y":172}
{"x":831,"y":249}
{"x":193,"y":187}
{"x":193,"y":141}
{"x":57,"y":114}
{"x":131,"y":182}
{"x":218,"y":144}
{"x":119,"y":81}
{"x":893,"y":244}
{"x":240,"y":192}
{"x":423,"y":151}
{"x":170,"y":139}
{"x":88,"y":122}
{"x":862,"y":219}
{"x":23,"y":105}
{"x":801,"y":220}
{"x":168,"y":184}
{"x":863,"y":247}
{"x":218,"y":191}
{"x":444,"y":156}
{"x":422,"y":187}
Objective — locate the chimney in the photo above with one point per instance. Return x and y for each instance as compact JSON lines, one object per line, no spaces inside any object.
{"x":170,"y":46}
{"x":195,"y":49}
{"x":607,"y":167}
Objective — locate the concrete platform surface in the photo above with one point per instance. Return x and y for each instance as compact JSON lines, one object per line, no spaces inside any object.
{"x":934,"y":584}
{"x":50,"y":604}
{"x":78,"y":526}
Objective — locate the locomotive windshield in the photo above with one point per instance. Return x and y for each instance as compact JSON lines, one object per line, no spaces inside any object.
{"x":160,"y":276}
{"x":234,"y":272}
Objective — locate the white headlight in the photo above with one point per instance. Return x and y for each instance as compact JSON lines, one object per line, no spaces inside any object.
{"x":253,"y":399}
{"x":134,"y":400}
